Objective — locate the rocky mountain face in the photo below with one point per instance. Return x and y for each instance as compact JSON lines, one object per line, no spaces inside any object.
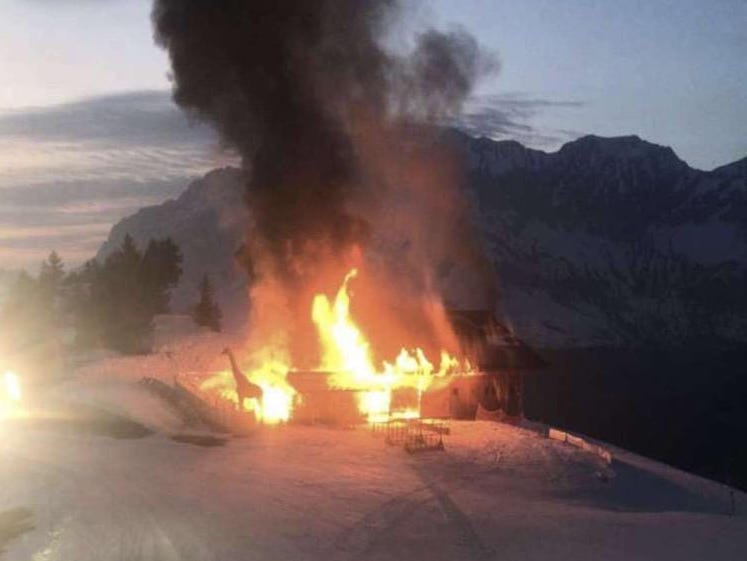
{"x":609,"y":241}
{"x":208,"y":223}
{"x":612,"y":241}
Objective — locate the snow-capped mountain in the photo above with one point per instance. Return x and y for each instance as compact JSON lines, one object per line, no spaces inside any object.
{"x":612,"y":241}
{"x":606,"y":241}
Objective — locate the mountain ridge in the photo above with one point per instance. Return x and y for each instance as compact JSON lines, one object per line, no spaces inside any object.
{"x":611,"y":241}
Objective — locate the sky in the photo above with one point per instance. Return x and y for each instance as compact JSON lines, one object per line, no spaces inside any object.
{"x":88,"y":133}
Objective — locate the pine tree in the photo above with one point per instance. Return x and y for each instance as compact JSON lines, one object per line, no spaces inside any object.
{"x":119,"y":296}
{"x":114,"y":303}
{"x":83,"y":301}
{"x":160,"y":272}
{"x":51,"y":275}
{"x":207,"y":313}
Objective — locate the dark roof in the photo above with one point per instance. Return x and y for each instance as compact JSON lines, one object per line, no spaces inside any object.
{"x":494,"y":345}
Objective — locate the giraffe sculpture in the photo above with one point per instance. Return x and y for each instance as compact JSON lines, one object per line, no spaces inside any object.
{"x":244,"y":388}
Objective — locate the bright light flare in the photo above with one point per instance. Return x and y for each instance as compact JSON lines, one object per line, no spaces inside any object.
{"x":12,"y":387}
{"x":10,"y":395}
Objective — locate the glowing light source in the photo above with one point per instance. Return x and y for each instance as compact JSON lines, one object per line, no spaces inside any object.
{"x":11,"y":387}
{"x":10,"y":395}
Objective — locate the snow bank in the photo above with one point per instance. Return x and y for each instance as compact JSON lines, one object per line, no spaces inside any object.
{"x":173,"y":356}
{"x":108,"y":381}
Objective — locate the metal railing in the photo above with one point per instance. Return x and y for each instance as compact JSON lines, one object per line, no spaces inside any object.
{"x":414,"y":435}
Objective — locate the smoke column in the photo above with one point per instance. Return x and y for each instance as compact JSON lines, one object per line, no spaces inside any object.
{"x":317,"y":109}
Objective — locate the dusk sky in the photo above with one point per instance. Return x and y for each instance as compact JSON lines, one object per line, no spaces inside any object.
{"x":88,"y":134}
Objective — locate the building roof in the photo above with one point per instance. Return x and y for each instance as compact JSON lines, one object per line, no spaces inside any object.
{"x":494,"y":346}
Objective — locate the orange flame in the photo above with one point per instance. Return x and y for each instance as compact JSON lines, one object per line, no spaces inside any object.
{"x":346,"y":353}
{"x":276,"y":403}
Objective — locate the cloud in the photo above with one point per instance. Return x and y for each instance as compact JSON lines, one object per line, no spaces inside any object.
{"x":135,"y":119}
{"x":137,"y":136}
{"x":512,"y":116}
{"x":36,"y":219}
{"x":92,"y":162}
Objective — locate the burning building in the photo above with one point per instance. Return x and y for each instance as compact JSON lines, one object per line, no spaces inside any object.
{"x":501,"y":360}
{"x":359,"y":228}
{"x":349,"y":388}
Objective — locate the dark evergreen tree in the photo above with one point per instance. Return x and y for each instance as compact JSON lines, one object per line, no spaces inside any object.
{"x":120,"y":296}
{"x":160,"y":270}
{"x":84,"y":303}
{"x":51,"y":277}
{"x":207,"y":312}
{"x":115,"y":302}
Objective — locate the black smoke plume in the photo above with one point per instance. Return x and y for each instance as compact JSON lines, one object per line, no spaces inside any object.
{"x":285,"y":81}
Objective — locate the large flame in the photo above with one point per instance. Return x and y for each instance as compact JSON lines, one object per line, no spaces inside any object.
{"x":346,"y":354}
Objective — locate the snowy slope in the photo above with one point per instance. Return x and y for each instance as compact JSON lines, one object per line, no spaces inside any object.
{"x":296,"y":493}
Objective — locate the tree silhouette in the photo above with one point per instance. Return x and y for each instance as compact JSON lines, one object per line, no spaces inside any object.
{"x":83,"y":303}
{"x":160,"y":272}
{"x":207,"y":313}
{"x":115,"y":302}
{"x":51,"y":276}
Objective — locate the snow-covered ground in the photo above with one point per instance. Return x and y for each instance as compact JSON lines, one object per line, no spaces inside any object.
{"x":98,"y":487}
